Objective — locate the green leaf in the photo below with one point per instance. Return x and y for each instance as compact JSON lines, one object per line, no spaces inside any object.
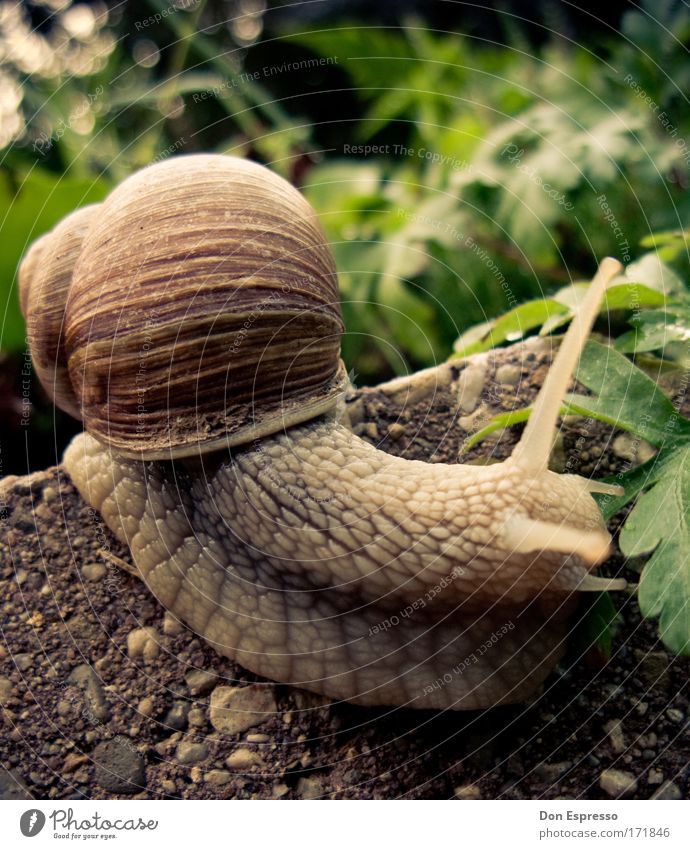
{"x":655,"y":274}
{"x":625,"y":397}
{"x":511,"y":326}
{"x":498,"y":422}
{"x":41,"y":201}
{"x":659,"y":524}
{"x":656,"y":329}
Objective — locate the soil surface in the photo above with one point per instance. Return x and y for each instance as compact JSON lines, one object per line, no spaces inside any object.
{"x":103,"y":695}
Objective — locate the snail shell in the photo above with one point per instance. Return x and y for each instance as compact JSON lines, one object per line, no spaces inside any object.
{"x":197,"y":306}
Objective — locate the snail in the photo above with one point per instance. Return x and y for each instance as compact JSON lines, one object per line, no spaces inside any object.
{"x":192,"y":321}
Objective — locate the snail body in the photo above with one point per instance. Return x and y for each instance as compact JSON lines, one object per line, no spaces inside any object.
{"x":255,"y":515}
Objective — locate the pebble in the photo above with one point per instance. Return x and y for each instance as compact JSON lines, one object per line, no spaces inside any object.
{"x":654,"y":777}
{"x":468,"y":791}
{"x":235,"y":709}
{"x":258,"y":738}
{"x":217,"y":777}
{"x":119,"y":767}
{"x":6,"y":691}
{"x":176,"y":717}
{"x":23,"y":661}
{"x":551,"y":773}
{"x":96,"y":703}
{"x":280,"y":790}
{"x":395,"y":431}
{"x":668,"y":790}
{"x":143,"y":642}
{"x":191,"y":753}
{"x":145,"y":707}
{"x":309,"y":788}
{"x":200,"y":681}
{"x":12,"y":786}
{"x":614,"y":729}
{"x":653,"y":669}
{"x":197,"y":717}
{"x":74,"y":760}
{"x":94,"y":571}
{"x":616,"y":783}
{"x":508,"y":374}
{"x":243,"y":759}
{"x":169,"y":786}
{"x":675,"y":715}
{"x":470,"y":385}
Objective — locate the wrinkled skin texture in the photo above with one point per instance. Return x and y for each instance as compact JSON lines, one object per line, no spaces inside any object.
{"x":312,"y":558}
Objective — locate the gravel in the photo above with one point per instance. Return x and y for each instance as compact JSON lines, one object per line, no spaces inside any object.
{"x":50,"y":746}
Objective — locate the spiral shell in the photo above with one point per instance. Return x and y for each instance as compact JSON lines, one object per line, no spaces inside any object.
{"x":202,"y":310}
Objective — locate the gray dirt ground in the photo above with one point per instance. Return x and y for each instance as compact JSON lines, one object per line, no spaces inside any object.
{"x":94,"y":707}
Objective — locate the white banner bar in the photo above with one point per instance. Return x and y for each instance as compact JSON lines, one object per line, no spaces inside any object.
{"x":345,"y":824}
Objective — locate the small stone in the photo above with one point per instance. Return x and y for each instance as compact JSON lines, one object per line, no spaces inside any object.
{"x":468,"y":791}
{"x":94,"y":696}
{"x":172,"y":627}
{"x":257,"y":738}
{"x":243,"y":759}
{"x":23,"y":661}
{"x":146,"y":706}
{"x":217,"y":777}
{"x":143,"y":642}
{"x":235,"y":709}
{"x":176,"y":717}
{"x":508,"y":374}
{"x":12,"y":785}
{"x":616,"y":783}
{"x":64,"y":708}
{"x":6,"y":691}
{"x":200,"y":681}
{"x":641,"y":708}
{"x":675,"y":715}
{"x":191,"y":753}
{"x":614,"y":729}
{"x":470,"y":385}
{"x":94,"y":571}
{"x":119,"y":767}
{"x":668,"y":790}
{"x":197,"y":717}
{"x":309,"y":788}
{"x":169,"y":786}
{"x":654,"y":777}
{"x":280,"y":790}
{"x":653,"y":669}
{"x":74,"y":760}
{"x":395,"y":431}
{"x":551,"y":773}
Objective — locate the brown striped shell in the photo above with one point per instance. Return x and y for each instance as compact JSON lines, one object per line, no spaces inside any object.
{"x":203,"y":310}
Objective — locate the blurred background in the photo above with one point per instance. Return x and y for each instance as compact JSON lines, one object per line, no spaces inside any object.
{"x":464,"y":159}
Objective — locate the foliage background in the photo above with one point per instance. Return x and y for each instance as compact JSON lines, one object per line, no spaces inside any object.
{"x":469,"y":168}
